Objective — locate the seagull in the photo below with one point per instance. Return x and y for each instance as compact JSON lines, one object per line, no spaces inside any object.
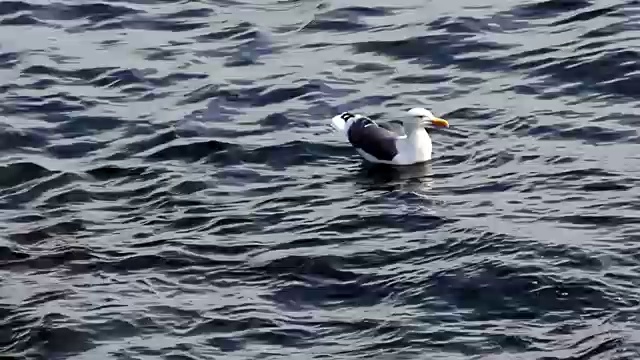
{"x":378,"y":144}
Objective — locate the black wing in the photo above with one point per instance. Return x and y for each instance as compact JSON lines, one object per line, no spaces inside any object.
{"x":373,"y":139}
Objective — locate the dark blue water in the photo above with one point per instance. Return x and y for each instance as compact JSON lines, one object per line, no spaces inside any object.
{"x":170,"y":187}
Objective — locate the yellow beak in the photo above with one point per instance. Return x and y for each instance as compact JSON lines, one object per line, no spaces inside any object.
{"x":440,"y":122}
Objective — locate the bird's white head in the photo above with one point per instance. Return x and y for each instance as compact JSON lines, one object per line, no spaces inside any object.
{"x":425,"y":116}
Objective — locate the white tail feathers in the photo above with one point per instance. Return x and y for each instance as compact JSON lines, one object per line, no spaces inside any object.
{"x":338,"y":123}
{"x":341,"y":121}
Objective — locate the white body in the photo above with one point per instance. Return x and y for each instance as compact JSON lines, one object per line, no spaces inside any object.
{"x":413,"y":148}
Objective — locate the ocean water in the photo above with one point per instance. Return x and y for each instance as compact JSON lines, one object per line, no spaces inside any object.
{"x":170,"y":187}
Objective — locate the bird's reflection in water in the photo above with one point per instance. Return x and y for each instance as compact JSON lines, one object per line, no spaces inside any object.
{"x":411,"y":178}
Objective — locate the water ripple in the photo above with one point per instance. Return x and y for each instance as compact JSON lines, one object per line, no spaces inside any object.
{"x":170,"y":186}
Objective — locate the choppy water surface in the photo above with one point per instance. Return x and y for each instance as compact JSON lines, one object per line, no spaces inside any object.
{"x":170,"y":187}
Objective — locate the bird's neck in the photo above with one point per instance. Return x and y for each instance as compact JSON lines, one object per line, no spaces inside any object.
{"x":417,"y":144}
{"x":413,"y":129}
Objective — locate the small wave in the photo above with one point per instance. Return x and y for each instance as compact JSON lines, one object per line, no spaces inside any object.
{"x":170,"y":185}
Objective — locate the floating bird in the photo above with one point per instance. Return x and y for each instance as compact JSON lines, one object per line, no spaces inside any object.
{"x":379,"y":144}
